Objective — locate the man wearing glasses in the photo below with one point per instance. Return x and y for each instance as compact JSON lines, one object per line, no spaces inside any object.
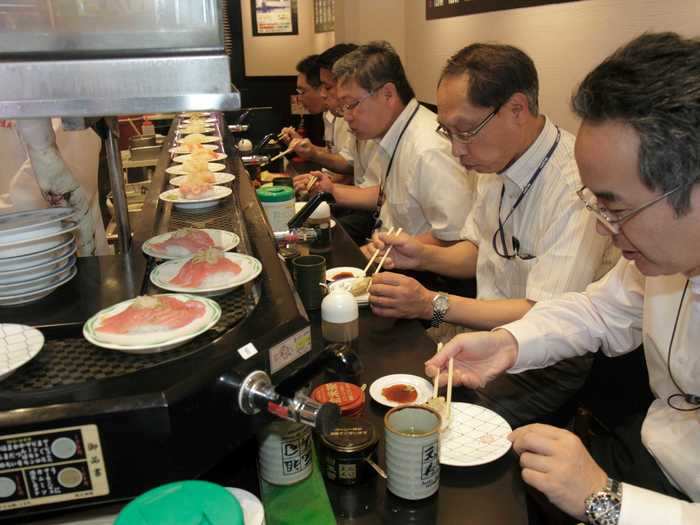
{"x":638,"y":150}
{"x":528,"y":236}
{"x":420,"y":187}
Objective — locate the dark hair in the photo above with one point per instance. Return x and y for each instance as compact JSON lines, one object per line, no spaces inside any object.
{"x":311,"y":70}
{"x":496,"y":72}
{"x":653,"y":85}
{"x":330,"y":56}
{"x":372,"y":66}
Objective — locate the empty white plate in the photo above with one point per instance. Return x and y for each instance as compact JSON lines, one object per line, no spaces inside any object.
{"x":18,"y":345}
{"x":40,"y":242}
{"x":12,"y":300}
{"x":204,"y":139}
{"x":183,"y":150}
{"x":31,"y":223}
{"x":33,"y":285}
{"x":476,"y":435}
{"x":37,"y":272}
{"x":38,"y":258}
{"x":423,"y":388}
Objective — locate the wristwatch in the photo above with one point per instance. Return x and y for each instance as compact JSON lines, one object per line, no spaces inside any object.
{"x":441,"y":303}
{"x":603,"y":507}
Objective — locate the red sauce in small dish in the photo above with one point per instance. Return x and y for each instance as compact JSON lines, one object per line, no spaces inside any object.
{"x":342,"y":275}
{"x":400,"y":393}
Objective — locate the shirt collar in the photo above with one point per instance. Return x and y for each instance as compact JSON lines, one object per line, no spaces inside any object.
{"x":391,"y":137}
{"x":695,"y":284}
{"x":522,"y":169}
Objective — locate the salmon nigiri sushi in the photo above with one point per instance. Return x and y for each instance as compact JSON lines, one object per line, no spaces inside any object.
{"x":151,"y":319}
{"x":184,"y":243}
{"x":208,"y":269}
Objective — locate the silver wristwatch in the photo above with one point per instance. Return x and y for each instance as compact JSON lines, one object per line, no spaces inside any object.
{"x":441,"y":302}
{"x":603,"y":507}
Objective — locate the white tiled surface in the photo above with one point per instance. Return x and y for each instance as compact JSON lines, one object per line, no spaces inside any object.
{"x":476,"y":435}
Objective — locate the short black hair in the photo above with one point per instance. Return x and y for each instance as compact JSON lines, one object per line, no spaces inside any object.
{"x":653,"y":85}
{"x":373,"y":65}
{"x":331,"y":55}
{"x":310,"y":68}
{"x":496,"y":72}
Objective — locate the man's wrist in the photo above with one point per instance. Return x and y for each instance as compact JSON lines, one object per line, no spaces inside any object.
{"x":427,"y":304}
{"x":509,"y":346}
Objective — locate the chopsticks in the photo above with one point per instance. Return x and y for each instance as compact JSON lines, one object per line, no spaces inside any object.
{"x":381,"y":262}
{"x":448,"y":402}
{"x":374,"y":255}
{"x":279,"y":155}
{"x":437,"y":376}
{"x":312,"y":181}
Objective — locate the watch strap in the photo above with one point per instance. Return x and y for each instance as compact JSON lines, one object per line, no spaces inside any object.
{"x":603,"y":507}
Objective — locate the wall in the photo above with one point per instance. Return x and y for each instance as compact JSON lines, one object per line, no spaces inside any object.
{"x":564,"y":40}
{"x":278,"y":55}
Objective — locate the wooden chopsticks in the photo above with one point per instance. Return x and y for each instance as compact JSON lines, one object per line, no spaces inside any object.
{"x":312,"y":181}
{"x":448,"y":401}
{"x":381,"y":262}
{"x":437,"y":376}
{"x":374,"y":255}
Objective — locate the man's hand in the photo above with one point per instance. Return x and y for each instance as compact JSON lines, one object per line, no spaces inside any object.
{"x":479,"y":357}
{"x":367,"y":250}
{"x":303,"y":147}
{"x":407,"y":251}
{"x":556,"y":463}
{"x":288,"y":134}
{"x":395,"y":295}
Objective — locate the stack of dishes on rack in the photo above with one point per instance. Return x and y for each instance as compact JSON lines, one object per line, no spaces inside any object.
{"x":199,"y":175}
{"x":37,"y":254}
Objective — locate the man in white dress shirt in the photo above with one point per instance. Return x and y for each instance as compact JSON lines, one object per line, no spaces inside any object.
{"x":418,"y":185}
{"x":528,"y":236}
{"x":638,"y":150}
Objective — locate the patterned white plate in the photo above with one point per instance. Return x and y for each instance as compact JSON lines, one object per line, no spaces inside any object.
{"x":223,"y":240}
{"x":182,"y":150}
{"x":476,"y":435}
{"x":214,"y":195}
{"x":211,"y":166}
{"x":219,"y":178}
{"x":250,"y":269}
{"x":188,"y":156}
{"x":18,"y":345}
{"x":211,"y":317}
{"x":422,"y":385}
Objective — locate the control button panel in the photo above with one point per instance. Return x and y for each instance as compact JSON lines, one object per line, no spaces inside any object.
{"x":39,"y":468}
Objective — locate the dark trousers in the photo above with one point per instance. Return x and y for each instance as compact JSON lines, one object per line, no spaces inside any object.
{"x":357,"y":223}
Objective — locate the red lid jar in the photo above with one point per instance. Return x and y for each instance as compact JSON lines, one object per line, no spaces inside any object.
{"x":350,"y":398}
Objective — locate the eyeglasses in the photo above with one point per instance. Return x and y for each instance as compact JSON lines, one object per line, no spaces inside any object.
{"x":465,"y":137}
{"x":344,"y":108}
{"x":613,"y":220}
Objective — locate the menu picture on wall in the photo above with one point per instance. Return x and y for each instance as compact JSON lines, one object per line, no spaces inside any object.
{"x":324,"y":16}
{"x":274,"y":17}
{"x":447,"y":8}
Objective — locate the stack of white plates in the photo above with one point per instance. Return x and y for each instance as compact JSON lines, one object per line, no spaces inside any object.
{"x":37,"y":254}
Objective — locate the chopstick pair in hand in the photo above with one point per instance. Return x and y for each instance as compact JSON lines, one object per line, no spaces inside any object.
{"x":376,"y":252}
{"x":445,"y":412}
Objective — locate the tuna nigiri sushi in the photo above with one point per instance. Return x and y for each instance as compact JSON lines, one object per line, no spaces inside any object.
{"x":184,"y":243}
{"x":207,"y":269}
{"x":150,"y":319}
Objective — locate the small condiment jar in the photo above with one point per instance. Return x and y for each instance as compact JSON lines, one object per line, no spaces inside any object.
{"x":344,"y":451}
{"x":350,"y":398}
{"x":320,"y":220}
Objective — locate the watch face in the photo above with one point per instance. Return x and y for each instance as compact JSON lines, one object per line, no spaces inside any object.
{"x":440,"y":303}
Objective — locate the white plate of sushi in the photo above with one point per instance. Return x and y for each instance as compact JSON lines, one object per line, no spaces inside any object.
{"x":212,"y":156}
{"x":186,"y":149}
{"x":211,"y":166}
{"x":207,"y":200}
{"x":186,"y":242}
{"x":220,"y":177}
{"x":151,"y":324}
{"x":198,"y":138}
{"x":211,"y":272}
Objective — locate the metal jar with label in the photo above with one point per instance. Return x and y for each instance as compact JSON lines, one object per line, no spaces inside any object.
{"x":284,"y":454}
{"x":345,"y":450}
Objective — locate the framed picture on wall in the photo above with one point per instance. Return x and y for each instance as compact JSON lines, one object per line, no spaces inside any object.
{"x":324,"y":16}
{"x":448,"y":8}
{"x":274,"y":17}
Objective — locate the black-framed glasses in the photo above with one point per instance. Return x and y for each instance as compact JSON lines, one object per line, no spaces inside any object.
{"x":465,"y":137}
{"x":613,"y":220}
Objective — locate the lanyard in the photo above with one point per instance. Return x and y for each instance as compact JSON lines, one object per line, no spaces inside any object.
{"x":382,"y":184}
{"x":524,"y":191}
